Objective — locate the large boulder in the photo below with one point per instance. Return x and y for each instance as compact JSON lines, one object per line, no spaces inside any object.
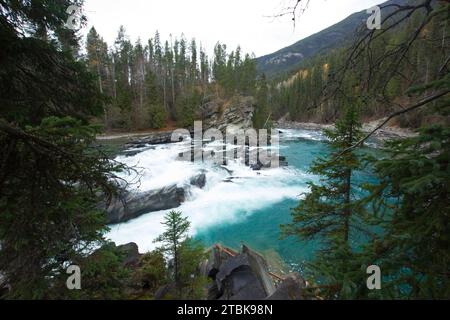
{"x":130,"y":205}
{"x":246,"y":276}
{"x":236,"y":280}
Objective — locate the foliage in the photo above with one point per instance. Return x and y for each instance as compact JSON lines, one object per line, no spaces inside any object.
{"x":412,"y":201}
{"x":143,"y":80}
{"x":103,"y":276}
{"x":192,"y":253}
{"x":152,"y":272}
{"x":332,"y":212}
{"x":51,"y":178}
{"x":177,"y":228}
{"x":49,"y":197}
{"x":262,"y":116}
{"x":187,"y":111}
{"x":383,"y":71}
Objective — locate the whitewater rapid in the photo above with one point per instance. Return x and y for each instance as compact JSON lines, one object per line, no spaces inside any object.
{"x":231,"y":193}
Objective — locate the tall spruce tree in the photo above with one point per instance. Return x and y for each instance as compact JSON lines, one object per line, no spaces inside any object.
{"x":332,"y":213}
{"x":177,"y":228}
{"x":413,"y":207}
{"x":261,"y":118}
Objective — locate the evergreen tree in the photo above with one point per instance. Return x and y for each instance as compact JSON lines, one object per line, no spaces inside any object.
{"x":122,"y":59}
{"x":248,"y":73}
{"x":261,"y":118}
{"x":331,"y":212}
{"x":187,"y":108}
{"x":219,"y":62}
{"x":98,"y":61}
{"x":193,"y":70}
{"x":177,"y":228}
{"x":192,"y":253}
{"x":51,"y":176}
{"x":412,"y":206}
{"x":204,"y":68}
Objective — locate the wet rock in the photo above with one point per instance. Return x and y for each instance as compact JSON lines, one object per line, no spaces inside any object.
{"x":237,"y":281}
{"x":257,"y":167}
{"x":199,"y":181}
{"x":156,"y":138}
{"x":130,"y":205}
{"x":245,"y":276}
{"x":134,"y":152}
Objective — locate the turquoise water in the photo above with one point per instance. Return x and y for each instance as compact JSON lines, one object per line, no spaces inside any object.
{"x":248,"y":209}
{"x":261,"y":229}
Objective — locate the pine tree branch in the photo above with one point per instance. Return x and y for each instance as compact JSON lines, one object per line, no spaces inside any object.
{"x":394,"y":115}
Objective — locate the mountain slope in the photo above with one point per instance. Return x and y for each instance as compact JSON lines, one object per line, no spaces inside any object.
{"x":333,"y":37}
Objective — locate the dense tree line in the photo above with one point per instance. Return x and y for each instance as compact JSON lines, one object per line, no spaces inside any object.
{"x":305,"y":94}
{"x":149,"y":84}
{"x":399,"y":223}
{"x":52,"y":178}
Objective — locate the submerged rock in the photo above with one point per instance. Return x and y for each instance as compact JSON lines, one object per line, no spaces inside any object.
{"x":199,"y":181}
{"x":130,"y":205}
{"x":134,"y":152}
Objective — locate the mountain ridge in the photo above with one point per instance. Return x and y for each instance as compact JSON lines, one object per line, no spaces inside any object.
{"x":336,"y":36}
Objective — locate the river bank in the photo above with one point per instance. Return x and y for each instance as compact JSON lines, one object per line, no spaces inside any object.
{"x":386,"y":133}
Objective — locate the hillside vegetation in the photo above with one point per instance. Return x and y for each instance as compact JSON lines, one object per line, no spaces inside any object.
{"x":308,"y":91}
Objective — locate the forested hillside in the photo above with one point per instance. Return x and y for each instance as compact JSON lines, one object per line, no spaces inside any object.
{"x":289,"y":59}
{"x":149,"y":84}
{"x":303,"y":94}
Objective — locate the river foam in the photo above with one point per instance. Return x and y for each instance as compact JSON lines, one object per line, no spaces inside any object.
{"x":231,"y":194}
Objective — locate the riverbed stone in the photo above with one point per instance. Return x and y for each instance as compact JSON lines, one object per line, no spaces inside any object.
{"x":130,"y":205}
{"x":199,"y":181}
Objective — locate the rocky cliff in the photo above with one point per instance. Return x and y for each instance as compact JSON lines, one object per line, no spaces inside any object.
{"x":236,"y":112}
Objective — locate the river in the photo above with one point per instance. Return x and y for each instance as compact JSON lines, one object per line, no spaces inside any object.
{"x":249,"y":209}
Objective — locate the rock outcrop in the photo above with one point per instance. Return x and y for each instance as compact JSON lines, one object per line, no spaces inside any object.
{"x":130,"y":205}
{"x":246,"y":276}
{"x":156,"y":138}
{"x":131,"y":255}
{"x":237,"y":113}
{"x":289,"y":289}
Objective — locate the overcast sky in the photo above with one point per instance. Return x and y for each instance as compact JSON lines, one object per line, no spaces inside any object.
{"x":248,"y":23}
